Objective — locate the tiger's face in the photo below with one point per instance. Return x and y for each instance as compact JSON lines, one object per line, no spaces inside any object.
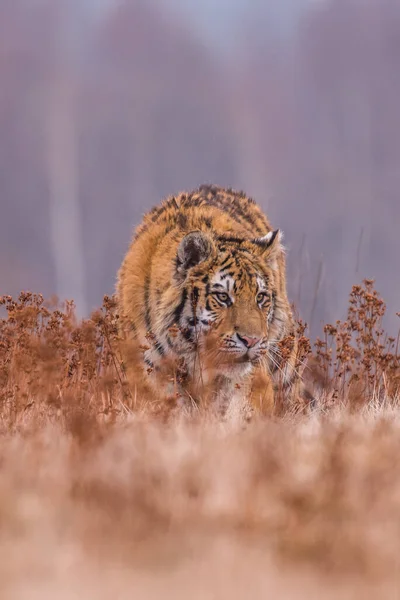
{"x":232,"y":309}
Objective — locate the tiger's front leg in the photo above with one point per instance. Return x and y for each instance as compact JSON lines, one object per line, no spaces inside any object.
{"x":241,"y":400}
{"x":261,"y":395}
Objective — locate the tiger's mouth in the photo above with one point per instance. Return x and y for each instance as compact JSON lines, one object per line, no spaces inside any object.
{"x":228,"y":351}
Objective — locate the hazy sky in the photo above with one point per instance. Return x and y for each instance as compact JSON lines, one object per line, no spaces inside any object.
{"x":212,"y":13}
{"x":219,"y":21}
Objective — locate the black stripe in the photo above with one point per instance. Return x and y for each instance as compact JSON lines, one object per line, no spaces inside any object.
{"x":195,"y":294}
{"x":219,"y":286}
{"x":146,"y":294}
{"x":231,"y":238}
{"x":182,"y":220}
{"x":244,"y":211}
{"x":230,"y":274}
{"x":147,"y":318}
{"x":179,"y":309}
{"x":234,"y":208}
{"x":143,"y":227}
{"x":271,"y":317}
{"x":225,"y":261}
{"x":173,"y":203}
{"x":156,"y":212}
{"x":159,"y":348}
{"x":188,"y":335}
{"x":223,"y":208}
{"x":226,"y":267}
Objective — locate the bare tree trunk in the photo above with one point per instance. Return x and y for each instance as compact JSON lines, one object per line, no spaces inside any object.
{"x":252,"y":169}
{"x":62,"y":160}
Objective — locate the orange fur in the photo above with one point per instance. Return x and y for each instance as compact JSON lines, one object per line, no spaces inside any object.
{"x":202,"y":292}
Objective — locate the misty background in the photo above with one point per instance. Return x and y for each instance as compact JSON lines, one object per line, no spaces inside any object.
{"x":107,"y":106}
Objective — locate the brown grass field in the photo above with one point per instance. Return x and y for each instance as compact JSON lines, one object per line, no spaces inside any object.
{"x":106,"y":495}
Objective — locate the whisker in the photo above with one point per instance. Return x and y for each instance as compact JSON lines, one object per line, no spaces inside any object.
{"x":275,"y":363}
{"x":279,"y":355}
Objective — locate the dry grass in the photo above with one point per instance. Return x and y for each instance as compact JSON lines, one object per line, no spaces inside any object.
{"x":104,"y":495}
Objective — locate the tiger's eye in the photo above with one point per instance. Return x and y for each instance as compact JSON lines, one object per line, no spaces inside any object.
{"x":261,"y":297}
{"x":222,"y":296}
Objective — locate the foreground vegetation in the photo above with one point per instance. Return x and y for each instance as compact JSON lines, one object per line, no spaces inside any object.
{"x":104,"y":492}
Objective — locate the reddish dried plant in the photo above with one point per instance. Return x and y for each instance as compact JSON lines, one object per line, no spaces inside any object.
{"x":53,"y":363}
{"x":357,"y":360}
{"x":55,"y":366}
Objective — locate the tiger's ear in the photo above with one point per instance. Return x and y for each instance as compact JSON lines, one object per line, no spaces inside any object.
{"x":270,"y":245}
{"x":195,"y":247}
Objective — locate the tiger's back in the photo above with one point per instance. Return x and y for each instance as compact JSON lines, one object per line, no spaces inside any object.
{"x":209,"y":204}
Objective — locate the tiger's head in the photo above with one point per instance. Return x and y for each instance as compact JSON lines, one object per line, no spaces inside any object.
{"x":233,"y":296}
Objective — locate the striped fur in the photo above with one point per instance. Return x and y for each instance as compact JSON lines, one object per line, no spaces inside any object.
{"x":202,"y":289}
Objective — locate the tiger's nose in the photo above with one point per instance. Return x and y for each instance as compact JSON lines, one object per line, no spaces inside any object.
{"x":248,"y":341}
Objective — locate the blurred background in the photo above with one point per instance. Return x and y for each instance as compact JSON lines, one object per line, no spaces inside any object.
{"x":106,"y":106}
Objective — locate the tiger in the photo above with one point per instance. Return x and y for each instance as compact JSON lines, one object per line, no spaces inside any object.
{"x":202,"y":292}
